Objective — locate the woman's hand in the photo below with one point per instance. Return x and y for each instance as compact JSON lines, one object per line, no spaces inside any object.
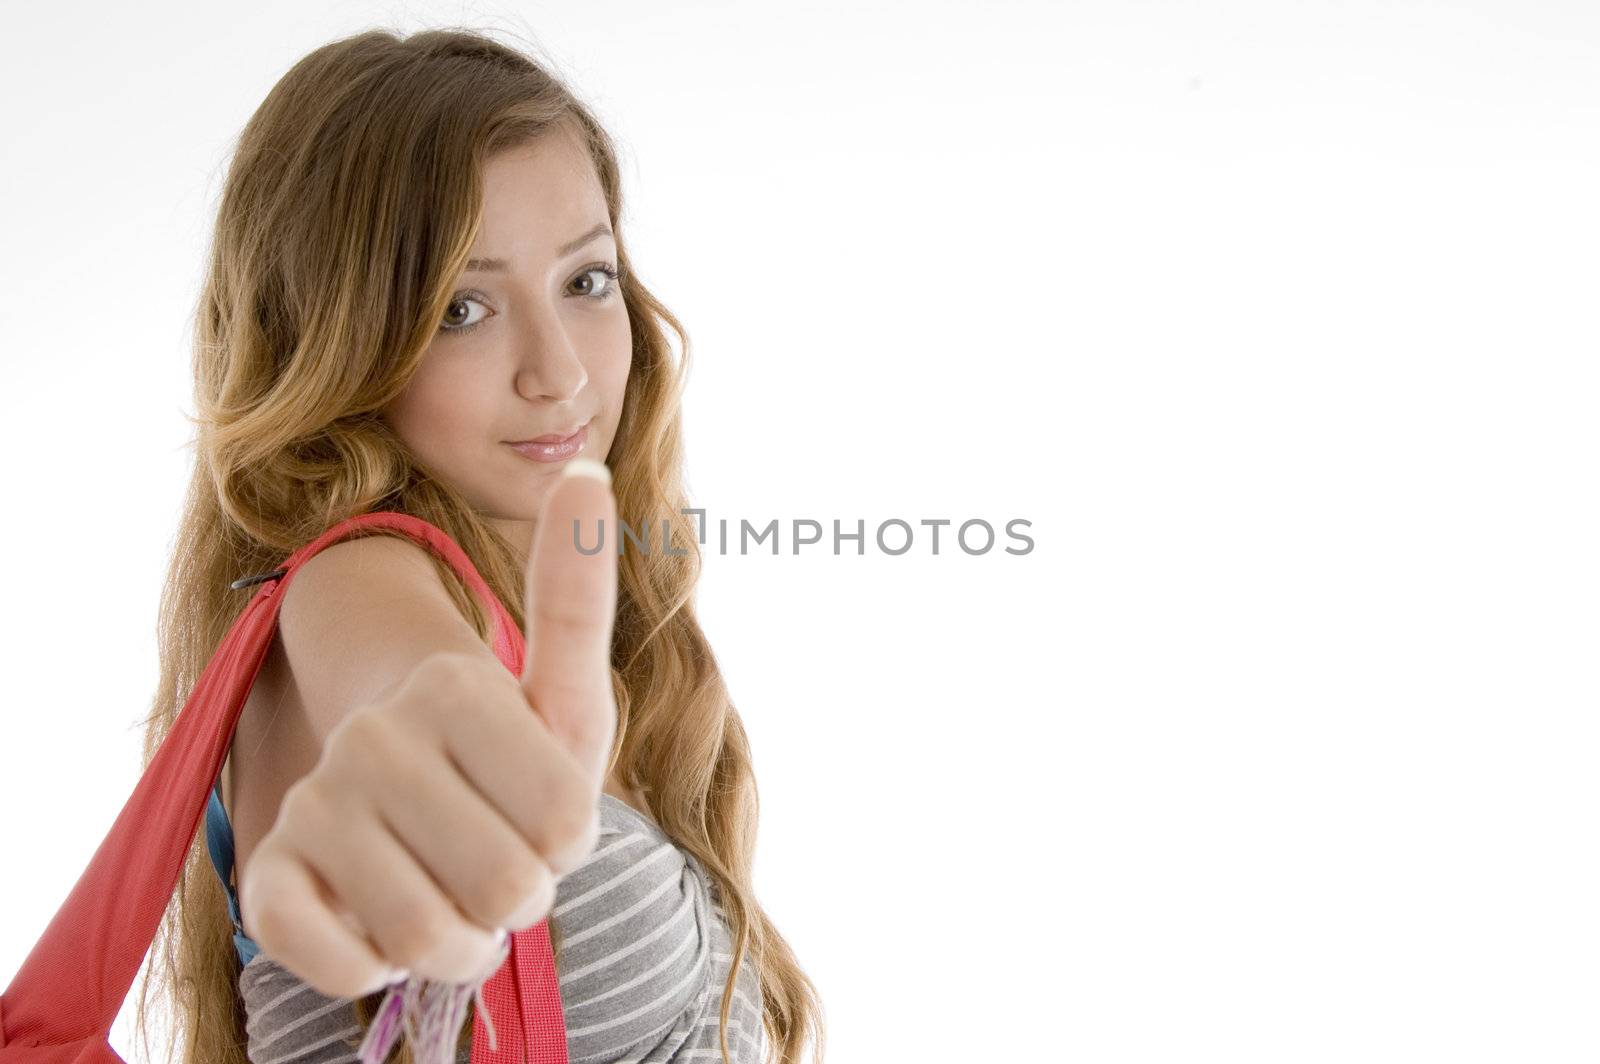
{"x":450,"y":808}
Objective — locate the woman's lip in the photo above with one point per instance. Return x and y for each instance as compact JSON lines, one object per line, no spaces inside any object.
{"x":553,"y":437}
{"x":558,"y":451}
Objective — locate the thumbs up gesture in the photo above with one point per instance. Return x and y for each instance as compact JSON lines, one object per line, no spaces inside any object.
{"x":444,"y":814}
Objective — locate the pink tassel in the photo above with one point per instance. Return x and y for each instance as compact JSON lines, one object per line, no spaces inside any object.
{"x":432,"y":1015}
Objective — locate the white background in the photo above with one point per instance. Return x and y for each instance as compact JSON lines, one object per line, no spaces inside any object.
{"x":1277,"y":321}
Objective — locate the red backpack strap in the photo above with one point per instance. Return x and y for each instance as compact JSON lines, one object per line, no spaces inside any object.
{"x":60,"y":1005}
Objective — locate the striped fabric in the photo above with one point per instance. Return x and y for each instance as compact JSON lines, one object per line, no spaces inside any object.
{"x":645,"y":952}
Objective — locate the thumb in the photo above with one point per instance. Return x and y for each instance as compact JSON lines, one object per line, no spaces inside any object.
{"x":569,"y":606}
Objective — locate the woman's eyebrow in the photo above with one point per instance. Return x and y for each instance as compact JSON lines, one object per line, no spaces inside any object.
{"x":500,"y":265}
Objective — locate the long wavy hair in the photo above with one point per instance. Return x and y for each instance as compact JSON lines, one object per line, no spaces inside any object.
{"x":351,"y":202}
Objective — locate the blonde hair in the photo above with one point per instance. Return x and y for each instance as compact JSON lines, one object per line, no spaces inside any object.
{"x":351,"y":202}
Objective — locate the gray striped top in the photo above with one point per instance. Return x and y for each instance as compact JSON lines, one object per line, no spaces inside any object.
{"x":645,"y":952}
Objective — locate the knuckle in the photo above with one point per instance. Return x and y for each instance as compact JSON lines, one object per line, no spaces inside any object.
{"x":412,"y":940}
{"x":534,"y":908}
{"x":448,"y":671}
{"x":342,"y":988}
{"x":439,"y":690}
{"x":271,"y":920}
{"x":372,"y":741}
{"x":588,"y":840}
{"x":560,"y":815}
{"x":378,"y":729}
{"x":406,"y":774}
{"x":573,"y":829}
{"x":266,"y":916}
{"x":578,"y":816}
{"x":303,"y":803}
{"x":510,"y":883}
{"x":360,"y":728}
{"x":352,"y":743}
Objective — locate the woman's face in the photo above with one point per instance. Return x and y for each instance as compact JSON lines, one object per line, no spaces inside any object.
{"x":534,"y":343}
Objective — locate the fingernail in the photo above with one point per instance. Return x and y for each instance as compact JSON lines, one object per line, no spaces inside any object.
{"x":386,"y":980}
{"x":500,"y":954}
{"x":587,"y":467}
{"x":529,"y":914}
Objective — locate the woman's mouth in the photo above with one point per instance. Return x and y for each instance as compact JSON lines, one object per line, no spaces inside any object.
{"x":552,"y":448}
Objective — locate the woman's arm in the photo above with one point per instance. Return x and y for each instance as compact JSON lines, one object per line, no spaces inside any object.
{"x":450,"y":794}
{"x":354,"y":622}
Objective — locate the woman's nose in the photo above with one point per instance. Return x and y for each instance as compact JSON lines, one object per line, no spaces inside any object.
{"x":550,"y":369}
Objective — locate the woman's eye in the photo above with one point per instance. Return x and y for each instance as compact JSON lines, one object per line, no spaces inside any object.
{"x":610,"y":273}
{"x":458,"y":320}
{"x":452,"y":322}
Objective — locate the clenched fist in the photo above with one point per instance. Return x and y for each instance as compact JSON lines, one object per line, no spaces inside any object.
{"x":447,"y":810}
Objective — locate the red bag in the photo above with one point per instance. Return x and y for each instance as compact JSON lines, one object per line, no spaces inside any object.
{"x":62,"y":1002}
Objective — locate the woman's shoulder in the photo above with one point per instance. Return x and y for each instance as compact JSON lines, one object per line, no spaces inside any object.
{"x":633,"y":857}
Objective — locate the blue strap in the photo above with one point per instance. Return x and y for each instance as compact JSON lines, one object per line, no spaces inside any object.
{"x":219,"y":840}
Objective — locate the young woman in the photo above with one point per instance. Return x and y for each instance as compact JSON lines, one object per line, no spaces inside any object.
{"x":419,"y":300}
